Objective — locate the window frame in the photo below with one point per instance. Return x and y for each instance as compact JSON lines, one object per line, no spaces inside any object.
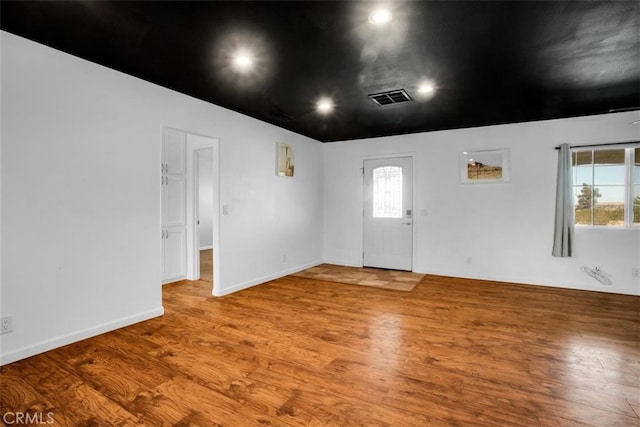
{"x":628,"y":184}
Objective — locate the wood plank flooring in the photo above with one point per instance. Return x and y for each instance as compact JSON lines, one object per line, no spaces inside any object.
{"x":300,"y":352}
{"x":206,"y":265}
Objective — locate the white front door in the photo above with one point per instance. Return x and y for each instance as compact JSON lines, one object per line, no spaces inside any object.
{"x":388,"y":213}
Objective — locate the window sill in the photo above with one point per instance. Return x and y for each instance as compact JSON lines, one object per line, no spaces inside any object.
{"x":607,"y":227}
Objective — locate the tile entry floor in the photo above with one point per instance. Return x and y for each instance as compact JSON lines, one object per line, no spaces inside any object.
{"x":367,"y":276}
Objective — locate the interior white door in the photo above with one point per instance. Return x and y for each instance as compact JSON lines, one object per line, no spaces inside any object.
{"x":173,"y":212}
{"x":174,"y":254}
{"x":174,"y":201}
{"x":388,"y":213}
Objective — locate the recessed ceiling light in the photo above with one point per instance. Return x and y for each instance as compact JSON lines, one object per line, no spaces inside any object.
{"x":324,"y":105}
{"x":242,"y":60}
{"x":426,"y":88}
{"x":380,"y":16}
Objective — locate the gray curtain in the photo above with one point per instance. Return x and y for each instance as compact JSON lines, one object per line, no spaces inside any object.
{"x":563,"y":233}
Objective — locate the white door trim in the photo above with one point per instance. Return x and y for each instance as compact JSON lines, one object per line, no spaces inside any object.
{"x":193,"y":252}
{"x":412,"y":155}
{"x":195,"y":273}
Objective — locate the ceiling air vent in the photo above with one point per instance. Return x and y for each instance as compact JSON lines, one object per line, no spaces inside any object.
{"x":390,"y":97}
{"x":280,"y":116}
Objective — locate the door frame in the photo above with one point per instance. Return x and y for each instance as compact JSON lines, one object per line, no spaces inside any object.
{"x":191,"y":172}
{"x":414,"y":241}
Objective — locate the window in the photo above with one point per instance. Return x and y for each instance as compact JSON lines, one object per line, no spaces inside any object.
{"x":606,"y":184}
{"x":387,"y":192}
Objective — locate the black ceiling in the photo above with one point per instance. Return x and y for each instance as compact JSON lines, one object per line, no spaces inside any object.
{"x":490,"y":62}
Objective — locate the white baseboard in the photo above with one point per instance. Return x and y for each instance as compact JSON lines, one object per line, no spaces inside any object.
{"x":168,"y":282}
{"x":50,"y":344}
{"x":205,"y":248}
{"x":264,"y":279}
{"x":567,"y":284}
{"x":341,"y":263}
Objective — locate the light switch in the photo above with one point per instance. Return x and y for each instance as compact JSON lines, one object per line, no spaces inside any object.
{"x":424,"y":212}
{"x":225,"y":209}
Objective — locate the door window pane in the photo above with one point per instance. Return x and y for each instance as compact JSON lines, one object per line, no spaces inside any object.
{"x":387,"y":192}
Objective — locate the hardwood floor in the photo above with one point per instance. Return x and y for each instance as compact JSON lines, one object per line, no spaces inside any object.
{"x":301,"y":352}
{"x":206,"y":265}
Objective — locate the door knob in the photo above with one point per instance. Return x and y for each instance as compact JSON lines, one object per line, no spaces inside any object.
{"x":407,"y":223}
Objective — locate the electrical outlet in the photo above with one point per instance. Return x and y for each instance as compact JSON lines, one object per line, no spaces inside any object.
{"x":6,"y":324}
{"x":635,"y":273}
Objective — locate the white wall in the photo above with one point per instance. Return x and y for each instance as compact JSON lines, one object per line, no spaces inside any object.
{"x":81,"y":197}
{"x":506,"y":228}
{"x":205,"y":190}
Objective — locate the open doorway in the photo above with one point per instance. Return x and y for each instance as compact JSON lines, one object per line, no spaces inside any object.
{"x":204,"y":215}
{"x":190,"y":208}
{"x":203,"y":195}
